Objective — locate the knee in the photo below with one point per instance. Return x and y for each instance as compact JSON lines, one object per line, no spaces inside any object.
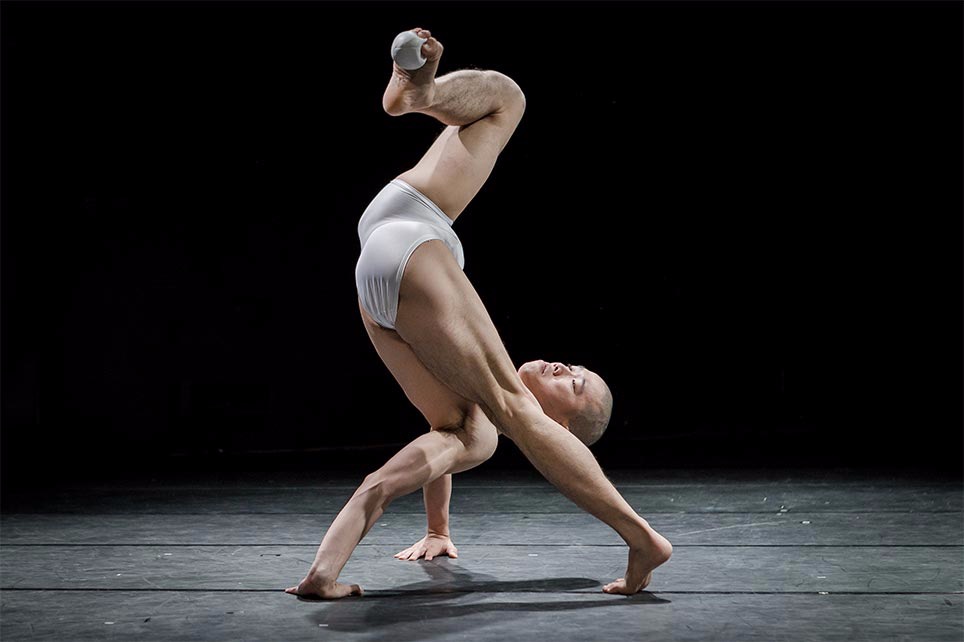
{"x":479,"y":438}
{"x":378,"y":489}
{"x":512,"y":96}
{"x":515,"y":412}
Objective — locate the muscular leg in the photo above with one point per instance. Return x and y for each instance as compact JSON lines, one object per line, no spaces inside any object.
{"x":461,"y":438}
{"x":445,"y":322}
{"x":481,"y":109}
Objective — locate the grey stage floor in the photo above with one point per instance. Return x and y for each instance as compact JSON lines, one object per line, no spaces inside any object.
{"x":758,"y":555}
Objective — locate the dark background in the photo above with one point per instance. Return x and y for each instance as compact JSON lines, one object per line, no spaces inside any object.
{"x":746,"y":217}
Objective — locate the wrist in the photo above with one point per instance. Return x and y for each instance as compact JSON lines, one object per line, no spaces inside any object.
{"x":440,"y":530}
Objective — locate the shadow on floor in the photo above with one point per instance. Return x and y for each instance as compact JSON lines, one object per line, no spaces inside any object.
{"x":431,"y":601}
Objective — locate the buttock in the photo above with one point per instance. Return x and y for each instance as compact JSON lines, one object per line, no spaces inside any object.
{"x":381,"y":265}
{"x":397,"y":221}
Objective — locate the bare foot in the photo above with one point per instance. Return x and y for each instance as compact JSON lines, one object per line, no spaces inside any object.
{"x":410,"y":91}
{"x":315,"y":586}
{"x":651,"y":551}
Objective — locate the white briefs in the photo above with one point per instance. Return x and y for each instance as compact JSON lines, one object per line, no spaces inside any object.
{"x":399,"y":219}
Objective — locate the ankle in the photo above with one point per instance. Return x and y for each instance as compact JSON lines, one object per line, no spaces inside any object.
{"x":638,"y":534}
{"x":320,"y":575}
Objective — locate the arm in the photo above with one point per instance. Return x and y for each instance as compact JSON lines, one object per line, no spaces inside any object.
{"x":437,"y":495}
{"x":437,"y":540}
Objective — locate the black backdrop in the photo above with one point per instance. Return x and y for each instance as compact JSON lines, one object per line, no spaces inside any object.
{"x":747,"y":217}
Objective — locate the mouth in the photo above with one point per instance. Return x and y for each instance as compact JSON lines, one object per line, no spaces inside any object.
{"x":544,"y":366}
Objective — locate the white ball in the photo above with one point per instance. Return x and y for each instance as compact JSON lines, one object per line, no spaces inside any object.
{"x":407,"y":50}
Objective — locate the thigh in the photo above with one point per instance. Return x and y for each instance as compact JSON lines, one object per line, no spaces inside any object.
{"x":461,"y":159}
{"x":441,"y":406}
{"x":443,"y":320}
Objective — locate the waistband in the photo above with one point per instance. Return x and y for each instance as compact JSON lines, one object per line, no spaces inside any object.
{"x":421,"y":198}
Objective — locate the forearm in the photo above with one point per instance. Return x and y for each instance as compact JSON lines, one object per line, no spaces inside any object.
{"x":437,"y":494}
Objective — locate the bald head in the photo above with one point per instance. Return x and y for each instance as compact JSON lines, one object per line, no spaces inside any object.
{"x":591,"y":422}
{"x":572,"y":395}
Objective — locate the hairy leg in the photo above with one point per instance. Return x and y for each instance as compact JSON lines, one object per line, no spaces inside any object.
{"x":458,"y":98}
{"x":461,"y":438}
{"x":481,"y":108}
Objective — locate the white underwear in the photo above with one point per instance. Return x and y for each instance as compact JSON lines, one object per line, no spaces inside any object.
{"x":398,"y":220}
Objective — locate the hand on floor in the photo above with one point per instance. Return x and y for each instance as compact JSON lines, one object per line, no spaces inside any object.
{"x":428,"y":547}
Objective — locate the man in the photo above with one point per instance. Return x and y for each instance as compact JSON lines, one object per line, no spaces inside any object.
{"x":430,"y":328}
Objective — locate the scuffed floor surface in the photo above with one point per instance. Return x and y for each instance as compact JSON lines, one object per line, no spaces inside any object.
{"x":758,"y":555}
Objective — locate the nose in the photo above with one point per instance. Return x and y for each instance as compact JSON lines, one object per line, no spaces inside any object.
{"x":557,"y":368}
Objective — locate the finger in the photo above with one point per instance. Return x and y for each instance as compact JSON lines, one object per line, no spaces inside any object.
{"x":429,"y":556}
{"x":453,"y":552}
{"x":292,"y":591}
{"x":356,"y":590}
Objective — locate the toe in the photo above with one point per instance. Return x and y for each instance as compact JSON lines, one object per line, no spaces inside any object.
{"x":432,"y":50}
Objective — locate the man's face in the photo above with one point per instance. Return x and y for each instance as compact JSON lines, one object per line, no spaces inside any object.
{"x":562,"y":390}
